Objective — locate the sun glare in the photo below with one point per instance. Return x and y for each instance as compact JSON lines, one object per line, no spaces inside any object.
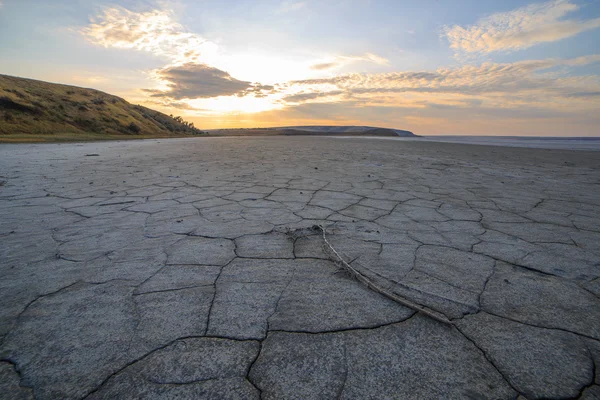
{"x":234,"y":104}
{"x":264,"y":68}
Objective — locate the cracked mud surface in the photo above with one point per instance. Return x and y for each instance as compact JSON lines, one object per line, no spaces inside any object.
{"x":189,"y":269}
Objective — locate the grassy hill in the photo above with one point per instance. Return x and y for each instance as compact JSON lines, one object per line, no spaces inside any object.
{"x":33,"y":110}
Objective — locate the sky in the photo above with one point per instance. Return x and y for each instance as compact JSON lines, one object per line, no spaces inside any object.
{"x":434,"y":67}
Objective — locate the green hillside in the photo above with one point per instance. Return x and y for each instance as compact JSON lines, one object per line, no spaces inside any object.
{"x":33,"y":110}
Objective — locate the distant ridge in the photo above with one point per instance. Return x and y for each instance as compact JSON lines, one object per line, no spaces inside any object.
{"x":332,"y":129}
{"x":48,"y":110}
{"x":315,"y":130}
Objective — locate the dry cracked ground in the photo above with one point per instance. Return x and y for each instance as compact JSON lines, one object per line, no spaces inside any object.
{"x":189,"y":269}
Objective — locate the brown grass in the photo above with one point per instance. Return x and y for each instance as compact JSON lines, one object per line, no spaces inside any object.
{"x":79,"y":137}
{"x":33,"y":110}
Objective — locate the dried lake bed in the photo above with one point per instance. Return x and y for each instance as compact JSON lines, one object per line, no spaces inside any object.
{"x":190,"y":268}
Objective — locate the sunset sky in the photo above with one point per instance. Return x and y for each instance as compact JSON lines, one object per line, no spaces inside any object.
{"x":476,"y":67}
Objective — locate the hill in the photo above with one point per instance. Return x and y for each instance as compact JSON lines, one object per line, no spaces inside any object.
{"x":36,"y":110}
{"x":350,"y":130}
{"x":368,"y":132}
{"x":313,"y":131}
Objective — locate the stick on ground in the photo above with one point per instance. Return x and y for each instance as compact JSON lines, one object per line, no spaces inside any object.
{"x":368,"y":283}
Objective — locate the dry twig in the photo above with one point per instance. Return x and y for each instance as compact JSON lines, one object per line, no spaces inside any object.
{"x":367,"y":282}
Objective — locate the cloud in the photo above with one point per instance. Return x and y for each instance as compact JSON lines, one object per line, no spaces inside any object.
{"x":187,"y":75}
{"x":540,"y":86}
{"x":340,"y":61}
{"x":586,"y":94}
{"x":193,"y":81}
{"x":533,"y":88}
{"x":195,"y":66}
{"x":471,"y":80}
{"x":155,"y":31}
{"x":304,"y":97}
{"x":519,"y":29}
{"x":167,"y":103}
{"x":258,"y":90}
{"x":325,"y":66}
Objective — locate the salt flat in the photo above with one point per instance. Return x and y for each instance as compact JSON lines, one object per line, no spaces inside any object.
{"x":190,"y":268}
{"x":531,"y":142}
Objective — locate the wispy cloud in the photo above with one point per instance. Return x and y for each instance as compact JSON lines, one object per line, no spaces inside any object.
{"x":155,"y":31}
{"x":519,"y":29}
{"x":305,"y":97}
{"x":468,"y":79}
{"x":534,"y":83}
{"x":340,"y":61}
